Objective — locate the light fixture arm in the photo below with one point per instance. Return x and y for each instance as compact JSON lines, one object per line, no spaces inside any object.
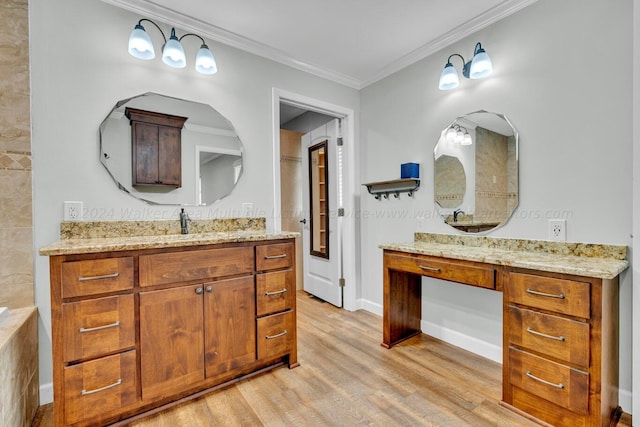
{"x":156,"y":25}
{"x":194,"y":35}
{"x":458,"y":55}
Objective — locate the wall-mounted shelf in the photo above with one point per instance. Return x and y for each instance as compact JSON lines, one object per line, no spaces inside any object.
{"x":395,"y":187}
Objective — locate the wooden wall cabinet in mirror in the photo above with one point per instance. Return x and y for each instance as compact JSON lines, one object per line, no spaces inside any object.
{"x":156,"y":148}
{"x":319,"y":200}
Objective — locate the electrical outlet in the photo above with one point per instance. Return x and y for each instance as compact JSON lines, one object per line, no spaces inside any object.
{"x":72,"y":211}
{"x":558,"y":230}
{"x":420,"y":224}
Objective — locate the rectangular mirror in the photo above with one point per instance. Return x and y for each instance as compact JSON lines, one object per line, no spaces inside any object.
{"x":319,"y":200}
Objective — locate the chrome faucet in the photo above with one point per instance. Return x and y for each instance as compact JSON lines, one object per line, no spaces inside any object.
{"x":183,"y":221}
{"x":456,"y":213}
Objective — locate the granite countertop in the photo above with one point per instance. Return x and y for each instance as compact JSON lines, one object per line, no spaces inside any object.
{"x":107,"y":244}
{"x":581,"y":259}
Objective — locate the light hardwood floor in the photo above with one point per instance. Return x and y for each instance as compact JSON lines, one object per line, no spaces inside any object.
{"x":346,"y":378}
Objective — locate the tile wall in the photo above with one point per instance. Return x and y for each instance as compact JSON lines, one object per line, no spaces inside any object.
{"x":19,"y":387}
{"x":16,"y":227}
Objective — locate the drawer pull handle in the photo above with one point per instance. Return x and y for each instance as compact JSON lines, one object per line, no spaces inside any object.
{"x":424,"y":267}
{"x":97,"y":328}
{"x":533,"y":377}
{"x":282,"y":291}
{"x":117,"y":383}
{"x":543,"y":294}
{"x":540,"y":334}
{"x":106,"y":276}
{"x":275,"y":256}
{"x":270,"y":337}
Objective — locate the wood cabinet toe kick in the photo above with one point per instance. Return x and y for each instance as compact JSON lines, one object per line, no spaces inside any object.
{"x":560,"y":348}
{"x":141,"y":329}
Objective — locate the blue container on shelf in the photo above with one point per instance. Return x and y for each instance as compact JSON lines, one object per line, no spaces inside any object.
{"x":410,"y":170}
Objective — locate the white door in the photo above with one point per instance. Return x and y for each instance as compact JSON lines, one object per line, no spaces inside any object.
{"x":321,"y":236}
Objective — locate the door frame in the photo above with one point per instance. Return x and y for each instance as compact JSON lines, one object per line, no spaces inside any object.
{"x":349,"y":259}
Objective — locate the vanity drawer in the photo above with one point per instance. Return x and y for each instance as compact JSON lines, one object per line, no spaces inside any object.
{"x":276,"y":334}
{"x":96,"y":276}
{"x":172,"y":267}
{"x":97,"y":388}
{"x":463,"y":272}
{"x":554,"y":336}
{"x":270,"y":257}
{"x":564,"y":386}
{"x":275,"y":291}
{"x":548,"y":293}
{"x":98,"y":326}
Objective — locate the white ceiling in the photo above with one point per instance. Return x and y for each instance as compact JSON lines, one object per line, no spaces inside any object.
{"x":352,"y":42}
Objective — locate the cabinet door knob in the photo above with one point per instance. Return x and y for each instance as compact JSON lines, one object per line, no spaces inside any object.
{"x":209,"y":289}
{"x":199,"y":291}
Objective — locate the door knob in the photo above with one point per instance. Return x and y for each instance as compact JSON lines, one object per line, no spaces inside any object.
{"x":304,"y":221}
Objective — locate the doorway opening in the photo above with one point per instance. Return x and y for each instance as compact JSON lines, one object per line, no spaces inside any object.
{"x":295,"y":116}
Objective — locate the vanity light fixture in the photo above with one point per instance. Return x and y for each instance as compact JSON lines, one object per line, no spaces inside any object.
{"x":480,"y":66}
{"x":458,"y":135}
{"x":140,"y":47}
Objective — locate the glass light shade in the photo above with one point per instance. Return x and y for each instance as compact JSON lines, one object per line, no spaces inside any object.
{"x":467,"y":139}
{"x":173,"y":52}
{"x":205,"y":62}
{"x":480,"y":65}
{"x":449,"y":78}
{"x":459,"y":137}
{"x":140,"y":45}
{"x":450,"y":136}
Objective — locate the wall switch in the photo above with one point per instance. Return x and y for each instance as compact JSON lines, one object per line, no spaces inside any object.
{"x":72,"y":211}
{"x":558,"y":230}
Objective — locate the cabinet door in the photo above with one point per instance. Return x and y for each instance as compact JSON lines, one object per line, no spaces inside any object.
{"x":230,"y":324}
{"x":145,"y":154}
{"x":169,"y":156}
{"x":171,"y":340}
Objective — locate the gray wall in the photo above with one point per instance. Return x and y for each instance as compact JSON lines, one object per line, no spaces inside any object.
{"x":75,"y":87}
{"x":551,"y":79}
{"x":562,"y":75}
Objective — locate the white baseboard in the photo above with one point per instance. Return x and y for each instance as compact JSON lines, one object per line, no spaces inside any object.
{"x":625,"y":400}
{"x":46,"y":393}
{"x":474,"y":345}
{"x":371,"y":307}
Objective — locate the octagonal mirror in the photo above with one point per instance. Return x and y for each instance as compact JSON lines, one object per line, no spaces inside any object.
{"x":476,"y":172}
{"x":209,"y":157}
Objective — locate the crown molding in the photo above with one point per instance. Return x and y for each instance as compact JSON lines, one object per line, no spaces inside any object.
{"x":151,"y":10}
{"x":501,"y":11}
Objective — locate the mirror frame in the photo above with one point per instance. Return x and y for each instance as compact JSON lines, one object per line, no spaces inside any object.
{"x":444,"y":212}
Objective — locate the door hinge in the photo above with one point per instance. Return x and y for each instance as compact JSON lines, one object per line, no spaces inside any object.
{"x":341,"y":282}
{"x":340,"y":141}
{"x":340,"y":211}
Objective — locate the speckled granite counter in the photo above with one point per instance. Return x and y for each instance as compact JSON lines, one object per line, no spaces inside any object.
{"x":582,"y":259}
{"x":106,"y":236}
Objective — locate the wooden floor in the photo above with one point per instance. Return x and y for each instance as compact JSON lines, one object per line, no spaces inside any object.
{"x":346,"y":378}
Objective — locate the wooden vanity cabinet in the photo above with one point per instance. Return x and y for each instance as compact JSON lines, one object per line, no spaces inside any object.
{"x":168,"y":323}
{"x":560,"y":333}
{"x":156,"y":142}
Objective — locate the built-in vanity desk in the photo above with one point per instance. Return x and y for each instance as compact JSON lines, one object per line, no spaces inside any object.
{"x":142,"y":321}
{"x":560,"y":316}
